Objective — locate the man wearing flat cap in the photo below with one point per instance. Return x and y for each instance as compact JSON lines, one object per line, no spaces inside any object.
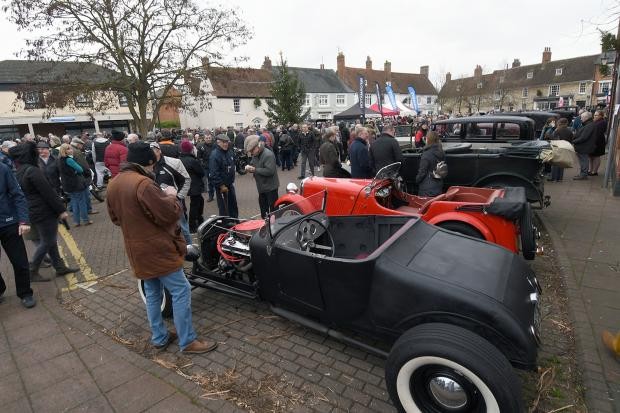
{"x":222,"y":175}
{"x":265,"y":170}
{"x":148,"y":217}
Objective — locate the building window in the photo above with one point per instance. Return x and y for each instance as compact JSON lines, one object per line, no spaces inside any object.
{"x":122,"y":100}
{"x":368,"y":99}
{"x":479,"y":85}
{"x":554,"y":90}
{"x":237,"y":105}
{"x":558,"y":71}
{"x":429,"y":100}
{"x":83,"y":100}
{"x":307,"y":100}
{"x":603,"y":87}
{"x":33,"y":100}
{"x":525,"y":92}
{"x":340,"y":100}
{"x":239,"y":125}
{"x":323,"y":100}
{"x":530,"y":75}
{"x":497,"y":95}
{"x":458,"y":88}
{"x":582,"y":88}
{"x":501,"y":79}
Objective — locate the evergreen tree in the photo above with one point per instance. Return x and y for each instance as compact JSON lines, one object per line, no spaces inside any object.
{"x":288,"y":97}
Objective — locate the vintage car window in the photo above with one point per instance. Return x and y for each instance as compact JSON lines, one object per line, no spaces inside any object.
{"x":478,"y":131}
{"x":448,"y":130}
{"x":508,"y":131}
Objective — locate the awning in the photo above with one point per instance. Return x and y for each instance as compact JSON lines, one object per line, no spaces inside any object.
{"x":385,"y":110}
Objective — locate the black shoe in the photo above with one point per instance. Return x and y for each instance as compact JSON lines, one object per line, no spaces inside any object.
{"x":300,"y":177}
{"x":580,"y":177}
{"x":35,"y":277}
{"x":46,"y":263}
{"x":29,"y":301}
{"x":65,"y":270}
{"x":592,"y":173}
{"x":210,"y":199}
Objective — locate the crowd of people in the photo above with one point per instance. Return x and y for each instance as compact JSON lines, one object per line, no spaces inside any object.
{"x":150,"y":180}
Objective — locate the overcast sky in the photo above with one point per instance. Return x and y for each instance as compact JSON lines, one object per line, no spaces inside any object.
{"x":451,"y":36}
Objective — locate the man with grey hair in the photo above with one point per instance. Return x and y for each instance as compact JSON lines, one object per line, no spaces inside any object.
{"x":585,"y":144}
{"x":263,"y":167}
{"x":66,"y":139}
{"x":385,"y":150}
{"x":28,"y":138}
{"x":4,"y":154}
{"x":132,"y":138}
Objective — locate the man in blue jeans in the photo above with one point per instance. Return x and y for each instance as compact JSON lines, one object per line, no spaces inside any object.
{"x":149,"y":219}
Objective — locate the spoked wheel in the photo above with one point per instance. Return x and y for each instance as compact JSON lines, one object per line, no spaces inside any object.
{"x":309,"y":231}
{"x":288,"y":210}
{"x":441,"y":368}
{"x":166,"y":302}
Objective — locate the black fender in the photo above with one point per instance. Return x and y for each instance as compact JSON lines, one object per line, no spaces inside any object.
{"x":534,"y":192}
{"x":520,"y":349}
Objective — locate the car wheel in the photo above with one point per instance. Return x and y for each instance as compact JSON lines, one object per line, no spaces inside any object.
{"x":166,"y":302}
{"x":288,"y":209}
{"x":441,"y":368}
{"x":461,"y":228}
{"x":527,"y":231}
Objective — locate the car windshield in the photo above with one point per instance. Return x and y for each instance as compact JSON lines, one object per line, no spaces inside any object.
{"x":291,"y":212}
{"x":388,"y":171}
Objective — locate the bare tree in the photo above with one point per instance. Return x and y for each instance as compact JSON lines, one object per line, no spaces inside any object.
{"x":142,"y":46}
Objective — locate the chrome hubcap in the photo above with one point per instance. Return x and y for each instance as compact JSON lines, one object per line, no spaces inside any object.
{"x":448,"y":393}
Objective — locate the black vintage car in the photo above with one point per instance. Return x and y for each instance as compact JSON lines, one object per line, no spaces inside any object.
{"x":486,"y":151}
{"x":459,"y":313}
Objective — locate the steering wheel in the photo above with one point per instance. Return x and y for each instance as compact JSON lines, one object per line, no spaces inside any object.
{"x":308,"y":231}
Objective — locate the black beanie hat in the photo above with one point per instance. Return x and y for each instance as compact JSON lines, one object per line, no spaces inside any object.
{"x":118,"y":135}
{"x":141,"y":153}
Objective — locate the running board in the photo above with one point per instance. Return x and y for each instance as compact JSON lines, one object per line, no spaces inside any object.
{"x":306,"y":322}
{"x":198,"y":281}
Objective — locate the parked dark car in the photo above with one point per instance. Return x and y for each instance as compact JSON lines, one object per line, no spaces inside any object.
{"x":486,"y":129}
{"x":539,"y":117}
{"x":458,"y":312}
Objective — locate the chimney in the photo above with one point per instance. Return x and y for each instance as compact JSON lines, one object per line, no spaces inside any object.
{"x":478,"y":71}
{"x":387,"y":68}
{"x":368,"y":63}
{"x":424,"y":71}
{"x":516,"y":63}
{"x":448,"y":77}
{"x":546,"y":58}
{"x":322,"y":66}
{"x":340,"y":65}
{"x":267,"y":63}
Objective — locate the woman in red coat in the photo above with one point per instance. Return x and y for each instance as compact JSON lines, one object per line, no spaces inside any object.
{"x":115,"y":153}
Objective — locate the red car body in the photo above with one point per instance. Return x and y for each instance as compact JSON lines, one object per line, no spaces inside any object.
{"x":461,"y":209}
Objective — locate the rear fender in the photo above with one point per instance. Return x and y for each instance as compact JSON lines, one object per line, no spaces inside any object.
{"x":466,"y":219}
{"x":510,"y":179}
{"x":304,"y":205}
{"x":513,"y":343}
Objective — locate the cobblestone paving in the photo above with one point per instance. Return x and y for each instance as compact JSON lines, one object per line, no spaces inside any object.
{"x":263,"y":363}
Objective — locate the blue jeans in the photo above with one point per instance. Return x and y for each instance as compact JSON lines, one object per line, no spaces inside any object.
{"x":584,"y":163}
{"x":178,"y":287}
{"x":79,"y":205}
{"x":185,"y":225}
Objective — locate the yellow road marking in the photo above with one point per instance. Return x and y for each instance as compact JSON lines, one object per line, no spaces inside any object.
{"x":85,"y":269}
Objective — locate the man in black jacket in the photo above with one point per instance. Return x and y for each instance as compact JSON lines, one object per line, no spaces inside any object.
{"x":49,"y":165}
{"x":222,"y":175}
{"x":307,"y":147}
{"x":584,"y":143}
{"x":385,"y":149}
{"x":204,"y":150}
{"x":14,"y":223}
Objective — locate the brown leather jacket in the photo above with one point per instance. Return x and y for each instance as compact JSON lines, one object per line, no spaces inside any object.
{"x":149,"y":221}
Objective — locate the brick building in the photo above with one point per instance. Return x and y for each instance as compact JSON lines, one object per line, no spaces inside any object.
{"x":540,"y":86}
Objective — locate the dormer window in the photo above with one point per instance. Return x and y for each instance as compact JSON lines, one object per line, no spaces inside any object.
{"x":479,"y":85}
{"x":558,"y":71}
{"x":530,"y":75}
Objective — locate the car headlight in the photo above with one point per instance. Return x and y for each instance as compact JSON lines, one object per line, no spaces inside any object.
{"x":291,"y":188}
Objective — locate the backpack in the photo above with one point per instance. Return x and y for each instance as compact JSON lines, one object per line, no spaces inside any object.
{"x":441,"y":170}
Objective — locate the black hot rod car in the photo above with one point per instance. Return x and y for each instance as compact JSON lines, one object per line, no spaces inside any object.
{"x":458,"y":312}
